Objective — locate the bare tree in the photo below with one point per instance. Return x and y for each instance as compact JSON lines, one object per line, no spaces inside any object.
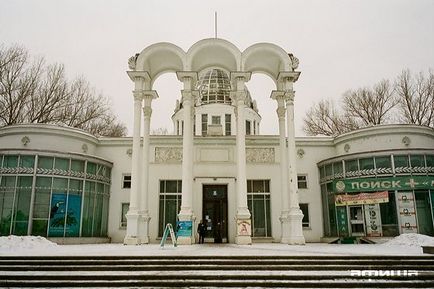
{"x":160,"y":131}
{"x":370,"y":106}
{"x":416,"y":97}
{"x":324,"y":119}
{"x":33,"y":92}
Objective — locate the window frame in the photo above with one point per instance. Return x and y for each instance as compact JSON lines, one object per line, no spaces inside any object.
{"x":305,"y":181}
{"x":124,"y":181}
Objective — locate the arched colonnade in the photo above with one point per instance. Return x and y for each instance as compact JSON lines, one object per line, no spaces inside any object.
{"x":157,"y":59}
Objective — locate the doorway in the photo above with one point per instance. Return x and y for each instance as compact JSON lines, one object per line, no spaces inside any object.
{"x":215,"y":213}
{"x":357,"y":222}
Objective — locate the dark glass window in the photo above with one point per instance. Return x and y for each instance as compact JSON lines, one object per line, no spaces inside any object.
{"x":302,"y":181}
{"x":126,"y":181}
{"x":305,"y":209}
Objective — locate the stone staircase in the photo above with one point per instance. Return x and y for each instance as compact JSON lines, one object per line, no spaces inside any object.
{"x":217,"y":271}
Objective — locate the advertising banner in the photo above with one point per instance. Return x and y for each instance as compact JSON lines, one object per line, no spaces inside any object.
{"x":383,"y":184}
{"x":57,"y":215}
{"x":58,"y":222}
{"x":407,"y":212}
{"x":362,"y":199}
{"x":373,"y":220}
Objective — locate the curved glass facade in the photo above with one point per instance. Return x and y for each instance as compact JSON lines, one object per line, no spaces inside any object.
{"x":57,"y":195}
{"x":215,"y":87}
{"x":383,"y":194}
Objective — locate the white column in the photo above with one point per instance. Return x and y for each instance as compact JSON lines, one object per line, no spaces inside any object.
{"x":295,"y":214}
{"x":279,"y":96}
{"x":148,"y":96}
{"x":243,"y":234}
{"x":186,"y":213}
{"x":133,"y":215}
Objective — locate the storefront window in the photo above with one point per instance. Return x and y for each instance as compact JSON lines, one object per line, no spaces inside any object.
{"x":22,"y":206}
{"x":27,"y":161}
{"x":401,"y":161}
{"x":328,"y":170}
{"x":351,"y":165}
{"x":7,"y":190}
{"x":45,"y":163}
{"x":430,"y":161}
{"x":10,"y":161}
{"x":366,"y":164}
{"x":417,"y":161}
{"x":338,"y":168}
{"x":383,"y":162}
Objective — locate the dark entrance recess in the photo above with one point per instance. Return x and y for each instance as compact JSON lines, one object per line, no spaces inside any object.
{"x":215,"y":213}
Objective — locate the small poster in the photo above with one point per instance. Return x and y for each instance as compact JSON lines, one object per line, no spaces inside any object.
{"x":373,"y":220}
{"x":244,"y":228}
{"x":184,"y":228}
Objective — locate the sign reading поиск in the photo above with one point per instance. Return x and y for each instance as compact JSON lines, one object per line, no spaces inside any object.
{"x":383,"y":184}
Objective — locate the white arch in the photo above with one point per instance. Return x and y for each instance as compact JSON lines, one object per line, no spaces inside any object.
{"x":161,"y":57}
{"x":266,"y":58}
{"x":213,"y":52}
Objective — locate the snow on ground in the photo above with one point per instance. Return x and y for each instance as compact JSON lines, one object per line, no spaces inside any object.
{"x":411,"y":240}
{"x":18,"y":243}
{"x":406,"y":244}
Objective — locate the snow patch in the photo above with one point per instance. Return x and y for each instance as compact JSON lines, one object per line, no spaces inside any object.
{"x":411,"y":239}
{"x":13,"y":243}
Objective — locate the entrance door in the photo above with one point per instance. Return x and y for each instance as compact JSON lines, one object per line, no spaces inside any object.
{"x":215,"y":213}
{"x":357,"y":223}
{"x":423,"y":212}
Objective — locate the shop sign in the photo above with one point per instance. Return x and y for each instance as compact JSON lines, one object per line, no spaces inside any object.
{"x":341,"y":214}
{"x":362,"y":199}
{"x":373,"y":220}
{"x":379,"y":184}
{"x":407,"y":212}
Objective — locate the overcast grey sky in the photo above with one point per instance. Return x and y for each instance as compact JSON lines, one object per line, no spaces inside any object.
{"x":340,"y":44}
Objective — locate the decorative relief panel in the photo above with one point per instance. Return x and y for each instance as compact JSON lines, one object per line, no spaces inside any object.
{"x":168,"y":154}
{"x":260,"y":155}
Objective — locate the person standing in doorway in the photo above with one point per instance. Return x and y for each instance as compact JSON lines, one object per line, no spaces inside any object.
{"x":201,"y":230}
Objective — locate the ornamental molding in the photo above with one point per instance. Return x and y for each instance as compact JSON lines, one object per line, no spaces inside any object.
{"x":406,"y":141}
{"x":25,"y":140}
{"x":132,"y":61}
{"x":260,"y":155}
{"x":168,"y":155}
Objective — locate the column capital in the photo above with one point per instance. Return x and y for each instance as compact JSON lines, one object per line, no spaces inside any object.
{"x":281,"y":112}
{"x":291,"y":76}
{"x":289,"y":97}
{"x":147,"y":111}
{"x":138,"y":94}
{"x":150,"y":94}
{"x":139,"y":75}
{"x":240,"y":76}
{"x":188,"y":78}
{"x":278,"y":95}
{"x":238,"y":96}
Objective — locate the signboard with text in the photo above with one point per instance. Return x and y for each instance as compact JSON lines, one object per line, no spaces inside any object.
{"x":362,"y":199}
{"x":373,"y":220}
{"x":383,"y":184}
